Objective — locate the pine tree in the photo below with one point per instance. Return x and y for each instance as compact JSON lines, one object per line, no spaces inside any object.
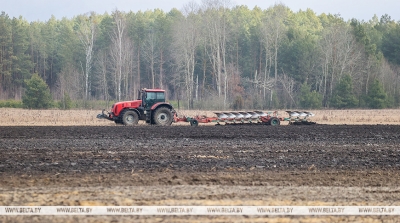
{"x":37,"y":94}
{"x":343,"y":96}
{"x":376,"y":98}
{"x":308,"y":98}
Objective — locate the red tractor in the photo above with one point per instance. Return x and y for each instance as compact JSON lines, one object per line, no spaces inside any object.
{"x":151,"y":106}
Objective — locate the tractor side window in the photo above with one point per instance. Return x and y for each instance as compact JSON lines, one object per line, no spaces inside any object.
{"x":151,"y":95}
{"x":160,"y":96}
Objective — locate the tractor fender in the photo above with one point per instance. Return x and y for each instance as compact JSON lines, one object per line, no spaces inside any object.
{"x":159,"y":104}
{"x":131,"y":109}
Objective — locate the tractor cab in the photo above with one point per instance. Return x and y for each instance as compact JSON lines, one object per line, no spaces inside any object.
{"x":151,"y":97}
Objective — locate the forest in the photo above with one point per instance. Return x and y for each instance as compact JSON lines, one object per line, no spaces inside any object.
{"x":210,"y":55}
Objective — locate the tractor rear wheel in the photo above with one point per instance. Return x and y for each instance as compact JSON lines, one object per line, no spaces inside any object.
{"x":162,"y":116}
{"x":274,"y":121}
{"x":130,"y":118}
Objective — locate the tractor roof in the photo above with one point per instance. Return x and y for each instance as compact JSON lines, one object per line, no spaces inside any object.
{"x":153,"y":90}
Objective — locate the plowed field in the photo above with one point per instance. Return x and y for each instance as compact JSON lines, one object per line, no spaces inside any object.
{"x":206,"y":165}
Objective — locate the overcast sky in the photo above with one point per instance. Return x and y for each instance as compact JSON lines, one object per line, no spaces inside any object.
{"x":33,"y":10}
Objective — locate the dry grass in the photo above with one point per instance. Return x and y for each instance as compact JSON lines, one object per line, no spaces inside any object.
{"x":23,"y":117}
{"x":358,"y":117}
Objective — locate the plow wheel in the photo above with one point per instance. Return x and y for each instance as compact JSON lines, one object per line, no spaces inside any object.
{"x":274,"y":121}
{"x":194,"y":122}
{"x":130,"y":118}
{"x":163,"y":116}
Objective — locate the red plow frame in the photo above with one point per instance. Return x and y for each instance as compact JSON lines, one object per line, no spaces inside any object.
{"x":235,"y":118}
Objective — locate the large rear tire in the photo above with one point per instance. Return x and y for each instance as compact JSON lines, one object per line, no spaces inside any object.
{"x":130,"y":118}
{"x":162,"y":116}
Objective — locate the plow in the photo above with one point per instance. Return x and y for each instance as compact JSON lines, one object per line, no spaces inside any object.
{"x":152,"y":108}
{"x":250,"y":118}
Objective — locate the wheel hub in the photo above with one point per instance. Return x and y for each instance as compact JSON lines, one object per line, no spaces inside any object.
{"x":162,"y":117}
{"x":129,"y":118}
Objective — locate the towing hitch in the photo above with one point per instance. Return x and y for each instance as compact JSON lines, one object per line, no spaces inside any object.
{"x":104,"y":115}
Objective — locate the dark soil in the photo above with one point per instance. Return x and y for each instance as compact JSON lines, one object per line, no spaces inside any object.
{"x":203,"y":154}
{"x":295,"y":156}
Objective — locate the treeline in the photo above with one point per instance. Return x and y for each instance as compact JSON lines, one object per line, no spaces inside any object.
{"x":207,"y":56}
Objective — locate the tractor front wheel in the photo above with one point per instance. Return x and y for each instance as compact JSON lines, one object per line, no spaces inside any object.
{"x":130,"y":118}
{"x":163,"y":116}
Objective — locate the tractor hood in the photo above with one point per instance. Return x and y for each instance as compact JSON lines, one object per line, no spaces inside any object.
{"x":134,"y":103}
{"x":117,"y":107}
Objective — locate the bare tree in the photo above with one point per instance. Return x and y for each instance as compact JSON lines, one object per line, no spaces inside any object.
{"x":216,"y":34}
{"x":116,"y":50}
{"x":128,"y":68}
{"x":121,"y":55}
{"x":273,"y":29}
{"x":265,"y":81}
{"x":102,"y":65}
{"x":150,"y":53}
{"x":259,"y":82}
{"x":236,"y":88}
{"x":86,"y":30}
{"x":277,"y":19}
{"x":389,"y":76}
{"x":288,"y":85}
{"x":186,"y":41}
{"x":340,"y":54}
{"x":69,"y":82}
